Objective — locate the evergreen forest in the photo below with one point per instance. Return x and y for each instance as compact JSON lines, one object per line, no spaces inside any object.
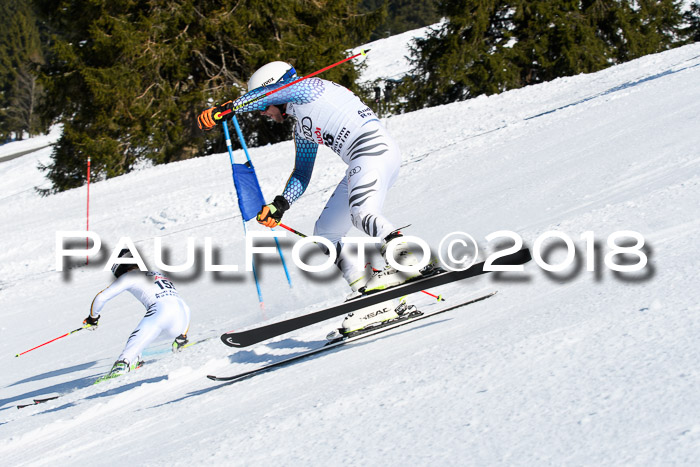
{"x":127,"y":78}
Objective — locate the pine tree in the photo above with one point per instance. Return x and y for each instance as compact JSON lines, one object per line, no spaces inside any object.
{"x":128,"y":77}
{"x":465,"y":57}
{"x":557,"y":39}
{"x":401,"y":15}
{"x":691,"y":32}
{"x":20,"y":55}
{"x":640,"y":27}
{"x":488,"y":46}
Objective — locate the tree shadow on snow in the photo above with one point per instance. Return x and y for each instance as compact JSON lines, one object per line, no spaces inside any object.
{"x":61,"y":388}
{"x":195,"y":394}
{"x":59,"y":372}
{"x":621,"y":87}
{"x":109,"y":392}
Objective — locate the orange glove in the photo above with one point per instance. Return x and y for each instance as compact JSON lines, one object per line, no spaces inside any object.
{"x":210,"y":117}
{"x":271,"y":214}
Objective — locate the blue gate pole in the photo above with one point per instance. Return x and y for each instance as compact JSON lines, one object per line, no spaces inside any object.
{"x":245,"y":228}
{"x":245,"y":150}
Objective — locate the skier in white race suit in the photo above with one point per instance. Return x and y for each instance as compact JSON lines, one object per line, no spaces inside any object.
{"x":166,"y":313}
{"x":329,"y":114}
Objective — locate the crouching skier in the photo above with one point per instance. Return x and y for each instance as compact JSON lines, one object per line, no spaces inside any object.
{"x":328,"y":114}
{"x":166,"y":313}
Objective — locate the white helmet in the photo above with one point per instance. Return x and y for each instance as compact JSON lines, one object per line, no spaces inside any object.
{"x":273,"y":72}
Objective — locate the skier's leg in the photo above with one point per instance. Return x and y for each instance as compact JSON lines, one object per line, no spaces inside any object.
{"x":370,"y":176}
{"x":169,"y":317}
{"x":371,"y":173}
{"x":178,"y":318}
{"x":146,"y":332}
{"x":179,"y":326}
{"x":333,"y":224}
{"x":358,"y":200}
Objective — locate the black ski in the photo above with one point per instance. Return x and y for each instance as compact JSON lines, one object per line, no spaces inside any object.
{"x":50,"y":398}
{"x":38,"y":401}
{"x":262,"y":333}
{"x":347,"y":340}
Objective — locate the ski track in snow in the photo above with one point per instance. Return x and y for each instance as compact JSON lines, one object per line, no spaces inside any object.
{"x":575,"y":367}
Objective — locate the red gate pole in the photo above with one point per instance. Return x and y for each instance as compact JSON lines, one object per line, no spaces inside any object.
{"x":87,"y":223}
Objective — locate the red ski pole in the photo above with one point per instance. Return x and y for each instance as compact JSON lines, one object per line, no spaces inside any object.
{"x":292,"y":230}
{"x":221,"y":115}
{"x":60,"y":337}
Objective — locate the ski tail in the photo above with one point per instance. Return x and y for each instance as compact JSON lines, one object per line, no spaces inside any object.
{"x":37,"y":401}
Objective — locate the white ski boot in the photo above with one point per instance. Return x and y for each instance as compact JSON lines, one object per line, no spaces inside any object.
{"x":372,"y":316}
{"x":389,"y":276}
{"x":369,"y":316}
{"x":360,"y":282}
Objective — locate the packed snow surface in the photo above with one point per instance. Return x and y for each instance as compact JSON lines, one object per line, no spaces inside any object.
{"x":573,"y":367}
{"x":389,"y":58}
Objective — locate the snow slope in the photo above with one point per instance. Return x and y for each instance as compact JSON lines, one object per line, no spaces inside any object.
{"x":11,"y":149}
{"x":576,"y":367}
{"x":388,"y":58}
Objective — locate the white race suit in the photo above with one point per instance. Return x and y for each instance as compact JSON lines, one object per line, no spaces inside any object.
{"x":166,"y":312}
{"x":328,"y":114}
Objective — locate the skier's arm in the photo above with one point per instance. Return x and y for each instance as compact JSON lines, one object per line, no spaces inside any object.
{"x":271,"y":214}
{"x":303,"y":167}
{"x":117,"y":287}
{"x":302,"y":92}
